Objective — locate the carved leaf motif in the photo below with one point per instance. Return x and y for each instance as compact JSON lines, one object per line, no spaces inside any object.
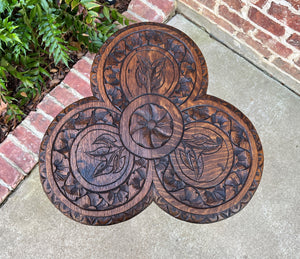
{"x":201,"y":113}
{"x":210,"y":197}
{"x":157,"y":74}
{"x":112,"y":164}
{"x":59,"y":165}
{"x":142,"y":172}
{"x":220,"y":193}
{"x":95,"y":199}
{"x":142,"y":73}
{"x":141,"y":162}
{"x":192,"y":196}
{"x":242,"y":175}
{"x":185,"y":85}
{"x":118,"y":163}
{"x":61,"y":169}
{"x":115,"y":196}
{"x":99,"y":151}
{"x":244,"y":159}
{"x":204,"y":143}
{"x":234,"y":181}
{"x":192,"y":161}
{"x":83,"y":119}
{"x":109,"y":153}
{"x":136,"y":182}
{"x":64,"y":142}
{"x":111,"y":196}
{"x":215,"y":196}
{"x":102,"y":168}
{"x":171,"y":183}
{"x":187,"y":159}
{"x":122,"y":196}
{"x":73,"y":188}
{"x":105,"y":139}
{"x":84,"y":201}
{"x":137,"y":178}
{"x":150,"y":76}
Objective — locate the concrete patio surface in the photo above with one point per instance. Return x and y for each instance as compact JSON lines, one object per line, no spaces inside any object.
{"x":268,"y":227}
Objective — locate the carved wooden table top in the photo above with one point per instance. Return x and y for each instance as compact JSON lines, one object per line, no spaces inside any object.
{"x":150,"y":133}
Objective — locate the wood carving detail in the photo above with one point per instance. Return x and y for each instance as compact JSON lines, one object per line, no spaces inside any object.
{"x":149,"y":61}
{"x":150,"y":134}
{"x":208,"y":168}
{"x":244,"y":172}
{"x":149,"y":75}
{"x":95,"y":155}
{"x":153,"y":123}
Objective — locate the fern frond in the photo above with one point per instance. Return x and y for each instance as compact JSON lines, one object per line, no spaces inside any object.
{"x":51,"y":31}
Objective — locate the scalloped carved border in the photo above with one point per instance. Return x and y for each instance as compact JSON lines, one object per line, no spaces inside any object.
{"x":211,"y":218}
{"x":149,"y":25}
{"x":84,"y":219}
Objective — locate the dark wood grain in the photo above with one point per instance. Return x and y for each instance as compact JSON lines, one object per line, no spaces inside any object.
{"x":150,"y":133}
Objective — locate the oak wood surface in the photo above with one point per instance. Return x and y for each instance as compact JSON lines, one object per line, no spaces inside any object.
{"x":150,"y":133}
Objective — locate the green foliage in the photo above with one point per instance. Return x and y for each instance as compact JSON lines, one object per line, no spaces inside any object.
{"x":33,"y":30}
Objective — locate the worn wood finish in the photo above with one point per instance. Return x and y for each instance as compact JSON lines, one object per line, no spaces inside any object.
{"x":150,"y":133}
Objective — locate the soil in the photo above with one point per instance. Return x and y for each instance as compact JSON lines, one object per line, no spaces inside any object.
{"x":57,"y":73}
{"x":120,"y":5}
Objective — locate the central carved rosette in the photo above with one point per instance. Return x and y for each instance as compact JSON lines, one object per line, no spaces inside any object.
{"x":151,"y":126}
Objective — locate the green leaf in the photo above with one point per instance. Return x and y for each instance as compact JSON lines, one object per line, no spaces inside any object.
{"x":56,"y":56}
{"x":45,"y":5}
{"x":5,"y":39}
{"x":114,"y":14}
{"x":53,"y":47}
{"x":90,"y":5}
{"x":63,"y":47}
{"x":126,"y":22}
{"x":27,"y":82}
{"x":47,"y":34}
{"x":121,"y":20}
{"x":16,"y":37}
{"x":3,"y":86}
{"x":44,"y":71}
{"x":93,"y":14}
{"x":3,"y":5}
{"x":74,"y":4}
{"x":33,"y":13}
{"x":65,"y":60}
{"x":106,"y":12}
{"x":89,"y":19}
{"x":31,"y":30}
{"x":60,"y":40}
{"x":39,"y":11}
{"x":106,"y":29}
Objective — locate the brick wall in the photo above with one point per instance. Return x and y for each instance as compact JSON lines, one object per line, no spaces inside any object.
{"x":270,"y":27}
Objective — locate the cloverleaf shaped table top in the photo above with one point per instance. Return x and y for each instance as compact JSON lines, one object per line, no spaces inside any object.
{"x":150,"y":133}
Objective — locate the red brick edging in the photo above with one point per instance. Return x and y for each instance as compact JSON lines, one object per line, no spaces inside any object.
{"x":19,"y":151}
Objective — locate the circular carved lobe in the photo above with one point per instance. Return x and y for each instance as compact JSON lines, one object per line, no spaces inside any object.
{"x":86,"y":171}
{"x":149,"y":58}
